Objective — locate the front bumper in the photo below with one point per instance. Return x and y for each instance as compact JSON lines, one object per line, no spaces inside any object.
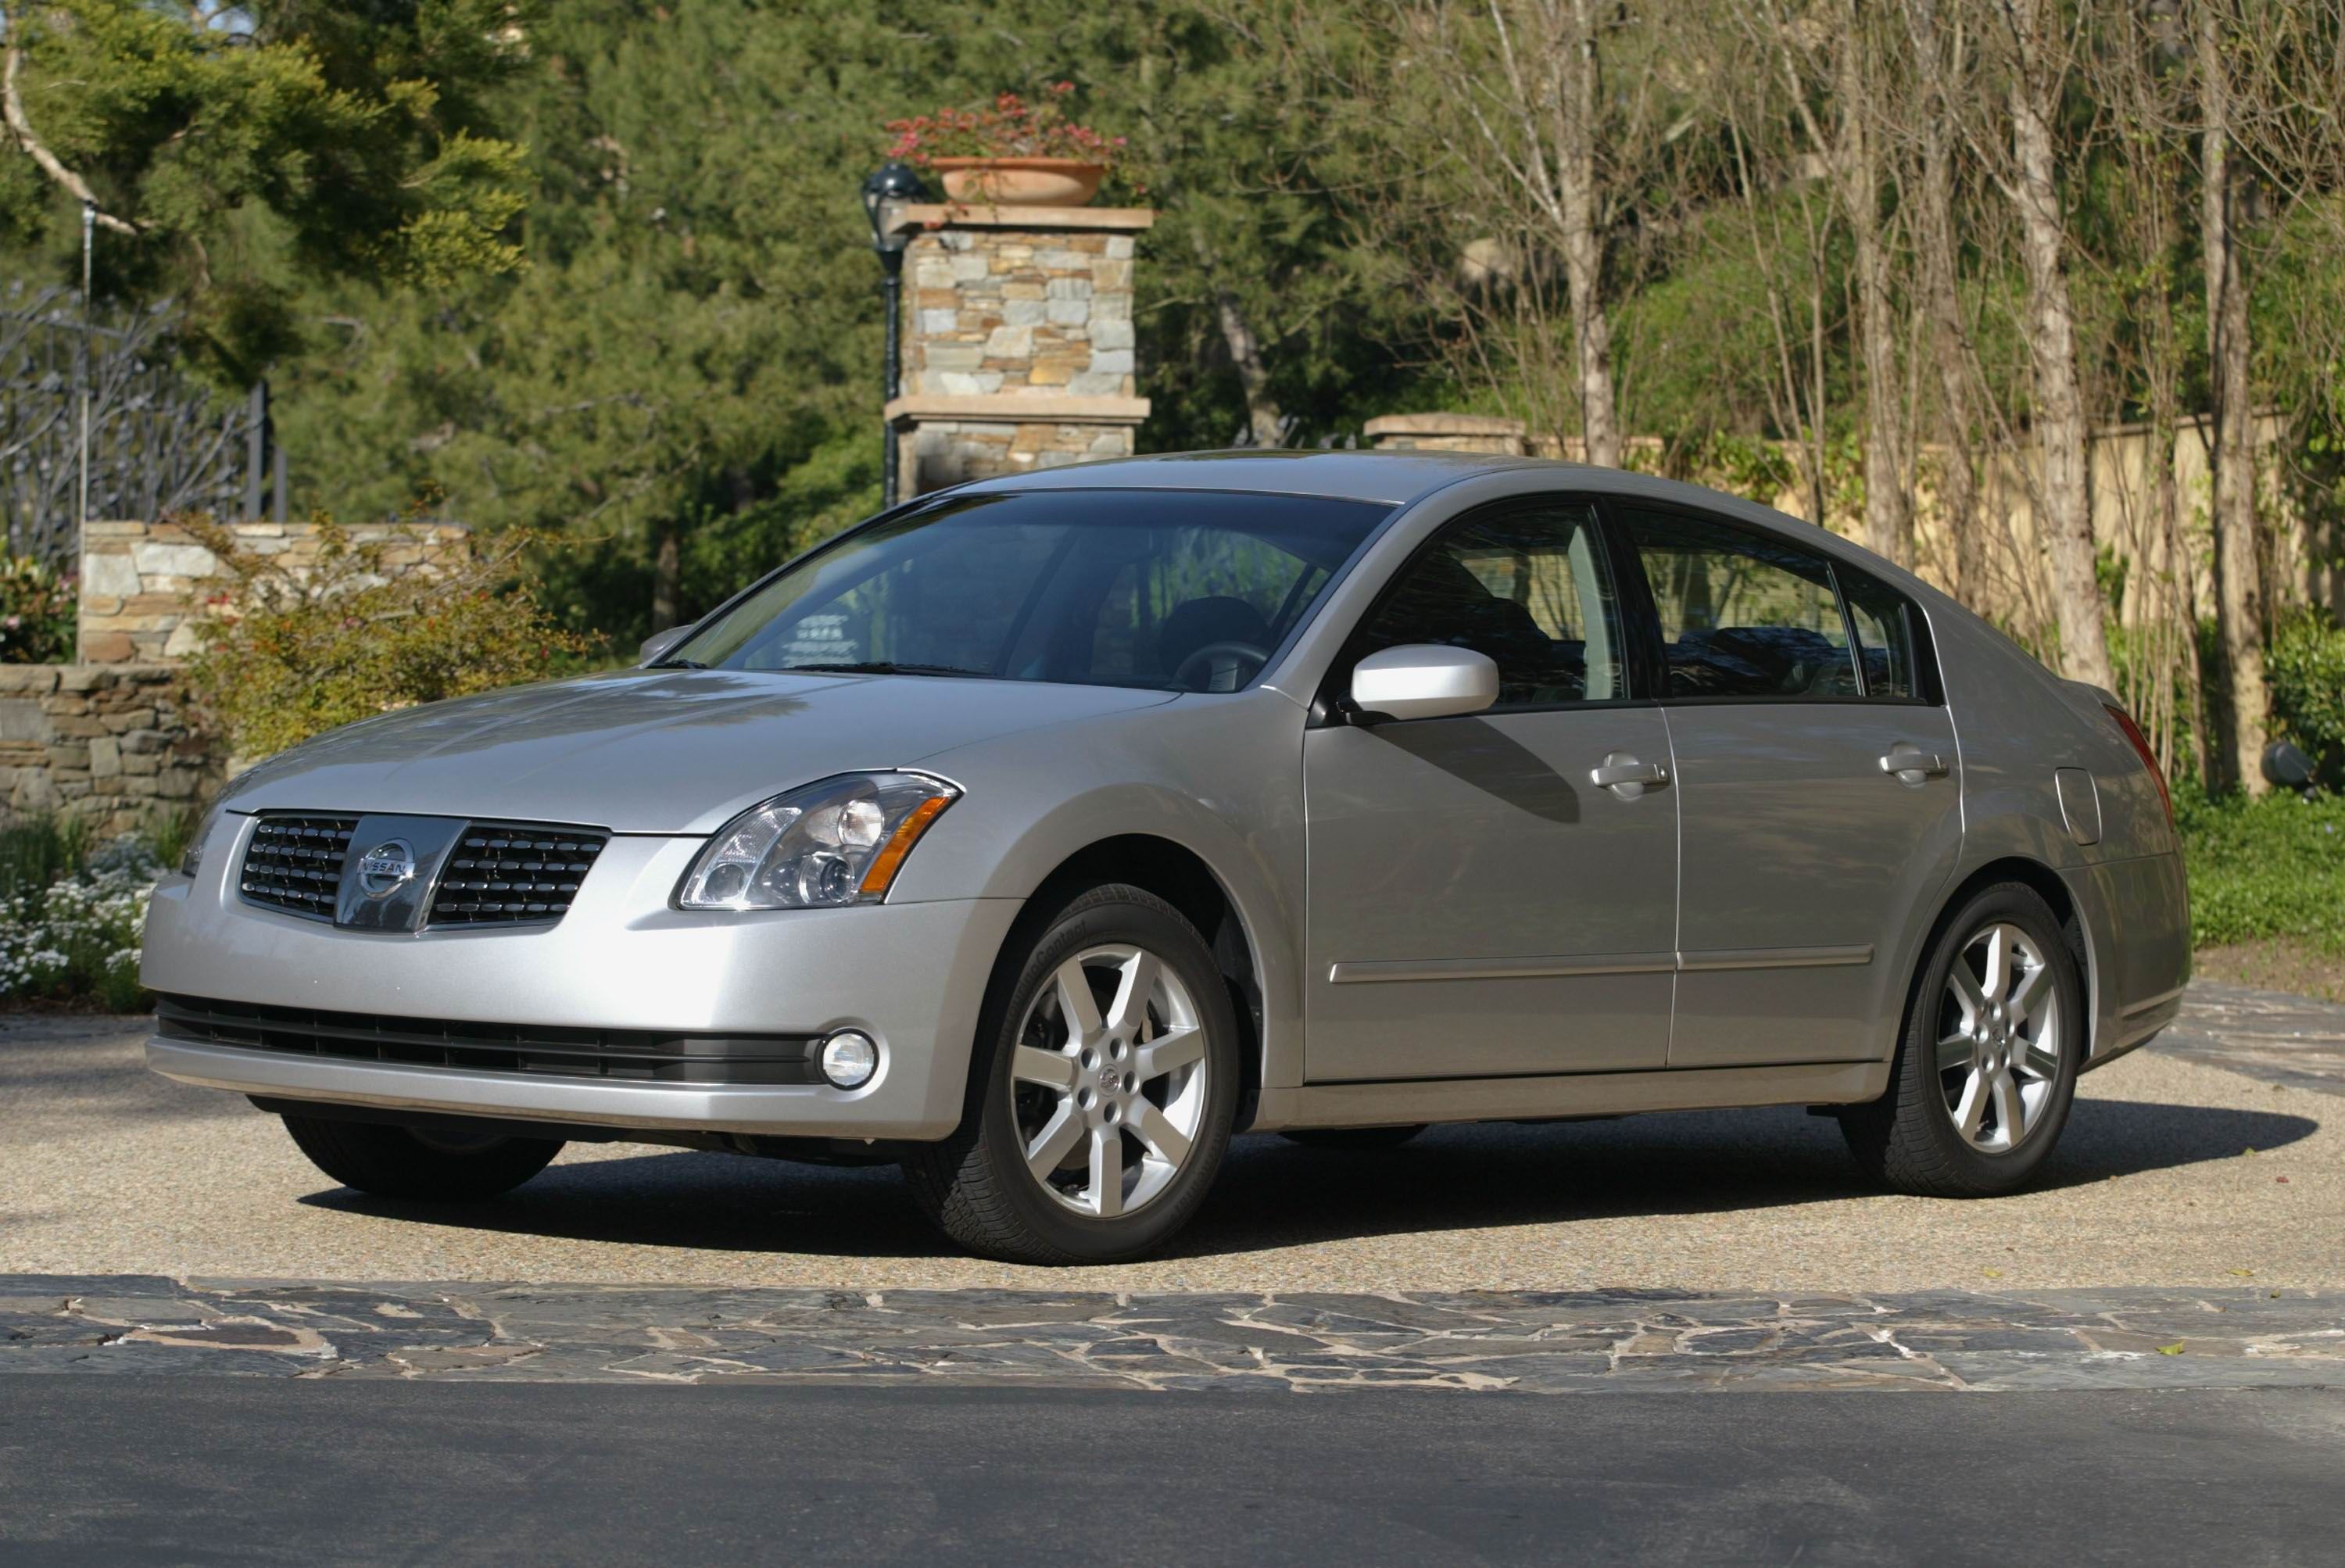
{"x":912,"y":976}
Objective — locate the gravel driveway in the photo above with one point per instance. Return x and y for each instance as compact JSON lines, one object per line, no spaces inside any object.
{"x":2180,"y":1168}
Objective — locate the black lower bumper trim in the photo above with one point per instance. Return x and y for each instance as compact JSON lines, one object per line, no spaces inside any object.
{"x":630,"y":1055}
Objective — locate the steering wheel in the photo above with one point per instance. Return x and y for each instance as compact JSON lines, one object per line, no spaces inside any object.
{"x":1216,"y":667}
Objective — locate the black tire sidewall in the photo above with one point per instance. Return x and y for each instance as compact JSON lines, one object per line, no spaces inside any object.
{"x":1102,"y":917}
{"x":1918,"y":1088}
{"x":390,"y":1161}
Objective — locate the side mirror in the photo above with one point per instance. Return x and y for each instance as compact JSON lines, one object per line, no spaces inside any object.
{"x":1424,"y":680}
{"x":656,"y":645}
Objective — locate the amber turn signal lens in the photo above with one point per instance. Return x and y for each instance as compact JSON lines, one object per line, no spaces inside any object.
{"x":891,"y":854}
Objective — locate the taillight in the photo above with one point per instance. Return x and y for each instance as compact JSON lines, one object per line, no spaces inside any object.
{"x":2148,"y":758}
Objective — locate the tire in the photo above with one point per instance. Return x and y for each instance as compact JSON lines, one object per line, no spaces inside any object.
{"x":1178,"y":1050}
{"x":1353,"y":1140}
{"x":397,"y":1161}
{"x":1959,"y":1055}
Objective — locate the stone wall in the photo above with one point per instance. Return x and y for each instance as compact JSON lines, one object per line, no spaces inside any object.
{"x":1018,"y":340}
{"x":141,"y":582}
{"x":108,"y":743}
{"x":1447,"y":432}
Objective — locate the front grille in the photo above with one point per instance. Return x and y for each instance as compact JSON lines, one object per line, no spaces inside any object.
{"x":642,"y":1055}
{"x":295,"y":862}
{"x":495,"y":873}
{"x":500,"y":873}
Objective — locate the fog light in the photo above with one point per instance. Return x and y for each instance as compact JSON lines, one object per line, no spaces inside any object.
{"x":850,"y":1058}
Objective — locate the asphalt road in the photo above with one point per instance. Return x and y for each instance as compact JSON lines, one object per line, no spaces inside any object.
{"x":2173,"y":1171}
{"x":233,"y":1470}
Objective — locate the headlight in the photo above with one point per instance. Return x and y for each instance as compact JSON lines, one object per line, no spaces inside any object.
{"x":839,"y":841}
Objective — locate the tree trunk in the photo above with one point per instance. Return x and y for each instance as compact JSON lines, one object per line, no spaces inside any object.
{"x":1888,"y":509}
{"x":2243,"y":708}
{"x":1957,"y":479}
{"x":1583,"y":238}
{"x":2064,"y":520}
{"x":1264,"y":420}
{"x":668,"y":572}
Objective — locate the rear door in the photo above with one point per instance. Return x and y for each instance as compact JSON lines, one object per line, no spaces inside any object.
{"x":1478,"y":905}
{"x":1819,"y":800}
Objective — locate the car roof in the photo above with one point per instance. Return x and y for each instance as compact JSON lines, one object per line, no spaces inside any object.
{"x":1394,"y":478}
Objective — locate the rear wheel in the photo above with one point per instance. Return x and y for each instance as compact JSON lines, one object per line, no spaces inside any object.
{"x":1986,"y":1068}
{"x":402,"y":1161}
{"x":1106,"y":1083}
{"x":1353,"y":1140}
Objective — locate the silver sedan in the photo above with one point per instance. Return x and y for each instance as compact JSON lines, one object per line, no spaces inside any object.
{"x":1042,"y":834}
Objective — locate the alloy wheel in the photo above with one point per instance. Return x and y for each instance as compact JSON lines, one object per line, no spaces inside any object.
{"x":1109,"y":1082}
{"x":1999,"y":1038}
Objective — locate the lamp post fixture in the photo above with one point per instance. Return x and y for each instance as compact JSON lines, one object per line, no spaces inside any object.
{"x":888,"y":185}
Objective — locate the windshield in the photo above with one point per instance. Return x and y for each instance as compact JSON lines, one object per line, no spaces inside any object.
{"x":1184,"y":590}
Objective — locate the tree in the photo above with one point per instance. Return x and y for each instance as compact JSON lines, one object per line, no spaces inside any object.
{"x":2244,"y":710}
{"x":1836,"y":53}
{"x":1508,"y":158}
{"x":1941,"y":56}
{"x":2034,"y":42}
{"x":227,"y":152}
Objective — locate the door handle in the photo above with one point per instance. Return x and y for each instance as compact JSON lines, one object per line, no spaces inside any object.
{"x":1909,"y":765}
{"x":1626,"y":776}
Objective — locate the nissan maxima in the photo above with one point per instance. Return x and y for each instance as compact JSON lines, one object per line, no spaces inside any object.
{"x":1044,"y":833}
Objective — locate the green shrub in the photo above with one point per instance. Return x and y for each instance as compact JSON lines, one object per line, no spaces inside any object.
{"x":74,"y":938}
{"x":36,"y":613}
{"x":2306,"y":669}
{"x":288,"y":654}
{"x":2274,"y":867}
{"x":36,"y":851}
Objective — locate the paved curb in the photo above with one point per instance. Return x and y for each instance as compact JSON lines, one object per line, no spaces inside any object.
{"x":1617,"y":1340}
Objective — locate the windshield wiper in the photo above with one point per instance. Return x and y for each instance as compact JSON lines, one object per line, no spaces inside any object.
{"x":883,"y":666}
{"x":681,"y":663}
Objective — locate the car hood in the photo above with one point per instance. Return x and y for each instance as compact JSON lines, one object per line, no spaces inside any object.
{"x":652,"y":752}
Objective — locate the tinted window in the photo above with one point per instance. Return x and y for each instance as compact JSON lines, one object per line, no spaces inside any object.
{"x":1530,"y":588}
{"x":1112,"y":587}
{"x":1885,"y":636}
{"x":1743,"y":614}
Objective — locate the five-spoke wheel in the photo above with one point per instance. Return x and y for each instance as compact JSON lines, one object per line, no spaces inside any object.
{"x":1987,"y":1061}
{"x":1110,"y":1078}
{"x":1103,"y":1091}
{"x":1999,"y":1040}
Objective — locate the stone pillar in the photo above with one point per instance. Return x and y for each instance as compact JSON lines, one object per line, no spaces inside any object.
{"x":1446,"y":432}
{"x":1017,"y":340}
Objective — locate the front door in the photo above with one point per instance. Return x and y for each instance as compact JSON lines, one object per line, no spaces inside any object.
{"x":1818,"y":792}
{"x":1478,"y":905}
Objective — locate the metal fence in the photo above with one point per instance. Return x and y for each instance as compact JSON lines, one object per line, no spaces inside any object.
{"x":157,"y":442}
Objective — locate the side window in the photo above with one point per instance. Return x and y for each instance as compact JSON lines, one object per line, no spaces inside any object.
{"x":1884,"y":637}
{"x":1528,"y":587}
{"x":1742,"y":613}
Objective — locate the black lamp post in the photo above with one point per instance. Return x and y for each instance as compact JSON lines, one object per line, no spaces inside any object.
{"x":891,"y":182}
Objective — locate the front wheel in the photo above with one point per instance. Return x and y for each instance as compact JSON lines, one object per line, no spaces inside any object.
{"x":1107,"y":1079}
{"x":401,"y":1162}
{"x":1986,"y":1067}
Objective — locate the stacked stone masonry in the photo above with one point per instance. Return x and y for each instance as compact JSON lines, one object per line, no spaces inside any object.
{"x":142,"y":584}
{"x":108,"y":743}
{"x":1018,"y":345}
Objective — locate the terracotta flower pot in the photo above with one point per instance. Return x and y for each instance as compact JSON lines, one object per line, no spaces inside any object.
{"x":1019,"y":181}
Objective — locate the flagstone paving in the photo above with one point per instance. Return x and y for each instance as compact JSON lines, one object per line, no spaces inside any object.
{"x":1586,"y":1341}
